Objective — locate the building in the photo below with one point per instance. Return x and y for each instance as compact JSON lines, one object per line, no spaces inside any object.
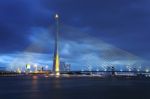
{"x":65,"y":67}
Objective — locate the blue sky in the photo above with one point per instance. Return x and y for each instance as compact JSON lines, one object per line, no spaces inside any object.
{"x":92,"y":32}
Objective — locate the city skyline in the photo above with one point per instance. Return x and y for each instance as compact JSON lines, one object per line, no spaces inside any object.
{"x":114,"y":32}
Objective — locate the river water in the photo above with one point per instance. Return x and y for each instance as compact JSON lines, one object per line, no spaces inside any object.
{"x":72,"y":88}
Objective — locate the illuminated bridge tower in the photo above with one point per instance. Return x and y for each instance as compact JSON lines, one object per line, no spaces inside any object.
{"x":56,"y":54}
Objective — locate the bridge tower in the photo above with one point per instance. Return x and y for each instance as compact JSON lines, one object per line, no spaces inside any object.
{"x":56,"y":62}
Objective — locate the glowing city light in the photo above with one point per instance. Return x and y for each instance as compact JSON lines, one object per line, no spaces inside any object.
{"x":129,"y":69}
{"x":121,"y":70}
{"x":18,"y":70}
{"x":147,"y":70}
{"x":28,"y":66}
{"x":46,"y":67}
{"x":35,"y":65}
{"x":56,"y":16}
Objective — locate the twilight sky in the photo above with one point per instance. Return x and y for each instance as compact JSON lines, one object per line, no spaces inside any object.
{"x":92,"y":32}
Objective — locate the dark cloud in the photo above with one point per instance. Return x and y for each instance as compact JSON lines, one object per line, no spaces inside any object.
{"x":123,"y":23}
{"x":16,"y":18}
{"x":28,"y":25}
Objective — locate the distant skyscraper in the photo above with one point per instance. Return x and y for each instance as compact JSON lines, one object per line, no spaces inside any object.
{"x":62,"y":65}
{"x":56,"y":54}
{"x":65,"y":67}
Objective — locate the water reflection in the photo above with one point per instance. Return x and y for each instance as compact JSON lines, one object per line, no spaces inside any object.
{"x":57,"y":82}
{"x":34,"y":88}
{"x":34,"y":77}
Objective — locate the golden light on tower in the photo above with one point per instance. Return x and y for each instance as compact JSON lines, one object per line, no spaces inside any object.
{"x":56,"y":54}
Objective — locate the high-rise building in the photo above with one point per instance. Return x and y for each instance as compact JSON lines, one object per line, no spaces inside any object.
{"x":56,"y":54}
{"x":65,"y":67}
{"x":62,"y":65}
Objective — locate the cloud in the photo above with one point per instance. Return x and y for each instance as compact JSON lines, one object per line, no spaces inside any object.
{"x":124,"y":24}
{"x":93,"y":53}
{"x":91,"y":33}
{"x":20,"y":59}
{"x":17,"y":17}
